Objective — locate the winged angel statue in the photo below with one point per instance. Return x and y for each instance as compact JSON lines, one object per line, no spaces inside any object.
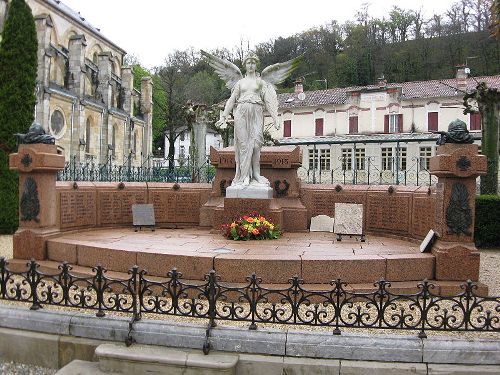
{"x":250,"y":95}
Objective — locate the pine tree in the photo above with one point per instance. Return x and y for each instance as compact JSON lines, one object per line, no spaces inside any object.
{"x":18,"y":70}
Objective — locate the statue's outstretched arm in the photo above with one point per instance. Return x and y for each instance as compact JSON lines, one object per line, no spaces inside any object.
{"x":235,"y":93}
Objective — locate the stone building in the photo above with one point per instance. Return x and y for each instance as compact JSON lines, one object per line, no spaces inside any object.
{"x":85,"y":95}
{"x":385,"y":130}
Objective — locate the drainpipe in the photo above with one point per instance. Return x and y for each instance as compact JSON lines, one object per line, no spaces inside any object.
{"x":100,"y":134}
{"x":73,"y":105}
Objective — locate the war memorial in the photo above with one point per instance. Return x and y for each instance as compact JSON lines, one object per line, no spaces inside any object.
{"x":352,"y":259}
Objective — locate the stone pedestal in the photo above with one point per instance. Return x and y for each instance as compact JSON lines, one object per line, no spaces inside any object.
{"x":38,"y":165}
{"x":456,"y":166}
{"x":281,"y":202}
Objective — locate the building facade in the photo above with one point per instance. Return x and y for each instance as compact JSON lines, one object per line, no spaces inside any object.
{"x":383,"y":132}
{"x":85,"y":94}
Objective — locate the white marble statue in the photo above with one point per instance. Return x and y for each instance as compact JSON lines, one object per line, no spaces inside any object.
{"x":250,"y":95}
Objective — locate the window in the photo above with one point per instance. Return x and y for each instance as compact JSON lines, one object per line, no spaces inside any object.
{"x":287,"y":128}
{"x":386,"y":158}
{"x":57,"y":124}
{"x":313,"y":159}
{"x":393,"y":123}
{"x":360,"y":158}
{"x":134,"y":143}
{"x":87,"y":136}
{"x":325,"y":160}
{"x":353,"y":124}
{"x":319,"y":127}
{"x":475,"y":121}
{"x":432,"y":121}
{"x":182,"y":152}
{"x":182,"y":137}
{"x":346,"y":159}
{"x":113,"y":141}
{"x":402,"y":159}
{"x":425,"y":157}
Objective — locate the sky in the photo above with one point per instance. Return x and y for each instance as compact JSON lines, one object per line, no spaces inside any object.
{"x":151,"y":29}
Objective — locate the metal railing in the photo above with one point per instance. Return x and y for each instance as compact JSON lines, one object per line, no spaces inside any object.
{"x":109,"y":172}
{"x":337,"y":307}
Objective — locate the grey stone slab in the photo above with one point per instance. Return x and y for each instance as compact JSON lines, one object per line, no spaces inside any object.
{"x":348,"y":218}
{"x":251,"y":364}
{"x":92,"y":327}
{"x":143,"y":214}
{"x":463,"y":351}
{"x":254,"y":192}
{"x":79,"y":367}
{"x":357,"y":347}
{"x":169,"y":334}
{"x":321,"y":223}
{"x":309,"y":366}
{"x":39,"y":320}
{"x":245,"y":341}
{"x":71,"y":348}
{"x":446,"y":369}
{"x":29,"y":347}
{"x":381,"y":368}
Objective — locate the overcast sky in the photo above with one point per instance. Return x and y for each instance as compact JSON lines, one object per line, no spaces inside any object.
{"x":151,"y":29}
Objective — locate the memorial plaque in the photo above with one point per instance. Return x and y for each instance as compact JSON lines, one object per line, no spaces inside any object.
{"x":143,"y":215}
{"x":176,"y":207}
{"x":388,"y":212}
{"x":423,"y":215}
{"x":427,"y":242}
{"x":324,"y":202}
{"x":116,"y":206}
{"x":348,"y":218}
{"x":321,"y":223}
{"x":77,"y":208}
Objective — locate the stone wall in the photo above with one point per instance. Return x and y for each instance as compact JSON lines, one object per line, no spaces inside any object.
{"x":401,"y":210}
{"x":99,"y":204}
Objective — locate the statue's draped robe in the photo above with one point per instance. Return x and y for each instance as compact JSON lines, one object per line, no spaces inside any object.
{"x":248,"y":128}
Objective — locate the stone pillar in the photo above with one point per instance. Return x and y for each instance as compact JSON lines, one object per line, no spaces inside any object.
{"x":38,"y":165}
{"x":128,"y":87}
{"x":456,"y":166}
{"x":76,"y":55}
{"x":44,"y":27}
{"x":147,"y":112}
{"x":200,"y":141}
{"x":104,"y":89}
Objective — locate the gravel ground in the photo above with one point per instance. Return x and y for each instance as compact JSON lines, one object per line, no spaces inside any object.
{"x":489,"y":275}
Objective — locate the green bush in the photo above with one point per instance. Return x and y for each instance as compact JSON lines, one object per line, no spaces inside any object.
{"x":18,"y":69}
{"x":487,"y":229}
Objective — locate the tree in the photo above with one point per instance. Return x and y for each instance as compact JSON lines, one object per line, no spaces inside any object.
{"x":487,"y":102}
{"x":18,"y":62}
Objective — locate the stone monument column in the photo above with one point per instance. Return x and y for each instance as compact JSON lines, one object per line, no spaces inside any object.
{"x":456,"y":166}
{"x":45,"y":53}
{"x":38,"y":165}
{"x":200,"y":141}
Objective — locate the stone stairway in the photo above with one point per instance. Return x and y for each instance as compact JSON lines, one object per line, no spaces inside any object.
{"x":146,"y":359}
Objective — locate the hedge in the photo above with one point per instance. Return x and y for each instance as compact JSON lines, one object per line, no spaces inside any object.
{"x":487,"y":228}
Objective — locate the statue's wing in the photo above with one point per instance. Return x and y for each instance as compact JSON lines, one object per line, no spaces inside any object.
{"x":271,"y":100}
{"x":277,"y":73}
{"x":226,"y":70}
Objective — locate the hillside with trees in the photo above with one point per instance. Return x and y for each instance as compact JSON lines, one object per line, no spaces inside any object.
{"x":404,"y":46}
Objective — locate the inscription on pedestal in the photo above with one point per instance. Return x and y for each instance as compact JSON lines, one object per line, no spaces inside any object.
{"x":389,"y":213}
{"x":282,"y":162}
{"x":176,"y":207}
{"x":226,"y":161}
{"x":423,"y":215}
{"x":116,"y":207}
{"x":78,"y":208}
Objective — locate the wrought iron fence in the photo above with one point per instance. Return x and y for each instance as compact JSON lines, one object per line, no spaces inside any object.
{"x":90,"y":171}
{"x":368,"y":170}
{"x":337,"y":307}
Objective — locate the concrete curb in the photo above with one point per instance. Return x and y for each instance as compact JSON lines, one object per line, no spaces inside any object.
{"x":348,"y":346}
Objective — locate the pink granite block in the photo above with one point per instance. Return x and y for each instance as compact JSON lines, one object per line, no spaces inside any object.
{"x":61,"y":251}
{"x":355,"y":268}
{"x":116,"y":260}
{"x":270,"y":268}
{"x":410,"y":267}
{"x":191,"y":267}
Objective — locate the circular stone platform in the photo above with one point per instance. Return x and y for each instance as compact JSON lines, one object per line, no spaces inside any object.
{"x":315,"y":257}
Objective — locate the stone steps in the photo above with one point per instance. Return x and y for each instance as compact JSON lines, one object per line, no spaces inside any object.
{"x":148,"y":359}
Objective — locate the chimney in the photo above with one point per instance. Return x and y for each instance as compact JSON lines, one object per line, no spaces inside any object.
{"x":461,"y":76}
{"x":299,"y":86}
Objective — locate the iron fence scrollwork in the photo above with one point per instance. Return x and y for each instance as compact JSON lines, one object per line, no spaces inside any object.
{"x":337,"y":307}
